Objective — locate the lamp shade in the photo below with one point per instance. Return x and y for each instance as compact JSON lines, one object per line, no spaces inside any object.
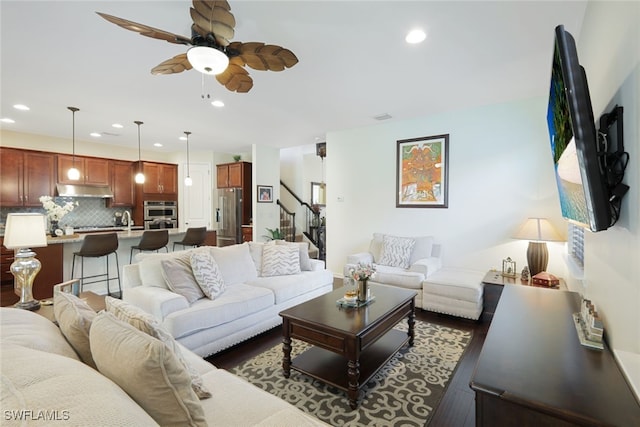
{"x":207,"y":60}
{"x":538,"y":230}
{"x":25,"y":230}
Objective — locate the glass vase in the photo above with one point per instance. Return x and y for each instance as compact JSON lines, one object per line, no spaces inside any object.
{"x":363,"y":289}
{"x":54,"y":227}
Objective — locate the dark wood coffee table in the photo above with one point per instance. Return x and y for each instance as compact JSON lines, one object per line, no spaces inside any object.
{"x":349,"y":344}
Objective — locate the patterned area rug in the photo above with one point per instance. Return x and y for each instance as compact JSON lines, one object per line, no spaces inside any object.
{"x":404,"y":392}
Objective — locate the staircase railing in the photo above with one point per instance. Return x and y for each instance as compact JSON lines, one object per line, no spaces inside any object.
{"x":315,"y":230}
{"x":287,"y":223}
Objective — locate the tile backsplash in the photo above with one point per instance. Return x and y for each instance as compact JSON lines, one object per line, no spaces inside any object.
{"x":88,"y":212}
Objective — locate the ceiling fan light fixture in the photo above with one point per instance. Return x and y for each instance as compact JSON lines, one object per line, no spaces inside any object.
{"x":207,"y":60}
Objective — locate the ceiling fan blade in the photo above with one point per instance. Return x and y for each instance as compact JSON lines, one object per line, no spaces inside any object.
{"x":235,"y":78}
{"x":145,"y":30}
{"x":177,"y":64}
{"x":260,"y":56}
{"x":213,"y":17}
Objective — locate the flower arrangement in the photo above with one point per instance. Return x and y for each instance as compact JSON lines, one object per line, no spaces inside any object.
{"x":55,"y":212}
{"x":362,"y":271}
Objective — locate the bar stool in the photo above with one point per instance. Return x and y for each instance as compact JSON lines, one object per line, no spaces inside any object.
{"x":152,"y":240}
{"x":194,"y":236}
{"x":97,"y":246}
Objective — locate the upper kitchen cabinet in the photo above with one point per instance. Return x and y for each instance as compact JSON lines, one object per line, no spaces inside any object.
{"x":234,"y":175}
{"x":160,"y":178}
{"x":122,"y":184}
{"x":93,"y":170}
{"x":26,"y":175}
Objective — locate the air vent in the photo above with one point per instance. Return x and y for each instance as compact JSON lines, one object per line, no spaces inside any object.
{"x":109,"y":134}
{"x":384,"y":116}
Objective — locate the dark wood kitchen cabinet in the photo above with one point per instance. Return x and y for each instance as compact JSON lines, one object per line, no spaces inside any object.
{"x":233,"y":175}
{"x":160,"y":178}
{"x":122,"y":184}
{"x":93,"y":170}
{"x":50,"y":274}
{"x":26,"y":175}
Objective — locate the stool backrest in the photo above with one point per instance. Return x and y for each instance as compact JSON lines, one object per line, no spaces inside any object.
{"x":154,"y":239}
{"x":97,"y":245}
{"x":195,"y":236}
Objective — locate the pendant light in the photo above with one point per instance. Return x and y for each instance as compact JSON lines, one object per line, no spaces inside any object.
{"x":73,"y":173}
{"x":139,"y":176}
{"x":188,"y":181}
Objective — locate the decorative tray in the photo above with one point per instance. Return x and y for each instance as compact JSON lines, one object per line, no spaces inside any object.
{"x":342,"y":302}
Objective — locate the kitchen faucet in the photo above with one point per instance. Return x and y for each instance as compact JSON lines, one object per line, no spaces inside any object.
{"x":127,"y":214}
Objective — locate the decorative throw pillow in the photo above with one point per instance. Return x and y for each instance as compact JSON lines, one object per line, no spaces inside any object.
{"x":180,"y":279}
{"x":303,"y":247}
{"x":280,"y":260}
{"x":74,"y":316}
{"x":148,"y":324}
{"x":147,"y":370}
{"x":255,"y":249}
{"x":396,"y":251}
{"x":375,"y":247}
{"x":150,"y":269}
{"x":235,"y":262}
{"x":207,"y":274}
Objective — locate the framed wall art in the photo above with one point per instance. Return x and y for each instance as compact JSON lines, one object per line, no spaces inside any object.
{"x":265,"y":193}
{"x":422,"y":174}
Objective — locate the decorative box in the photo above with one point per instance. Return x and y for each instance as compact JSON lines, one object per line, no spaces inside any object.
{"x":545,"y":279}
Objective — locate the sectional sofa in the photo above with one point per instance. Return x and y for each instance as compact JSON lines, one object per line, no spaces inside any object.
{"x":134,"y":379}
{"x":258,"y":279}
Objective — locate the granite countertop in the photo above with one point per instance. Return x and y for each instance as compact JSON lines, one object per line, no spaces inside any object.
{"x":123,"y":234}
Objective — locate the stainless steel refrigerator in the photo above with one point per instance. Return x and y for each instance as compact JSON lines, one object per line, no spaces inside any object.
{"x":229,"y":216}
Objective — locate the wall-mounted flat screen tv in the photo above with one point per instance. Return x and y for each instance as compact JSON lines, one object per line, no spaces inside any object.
{"x":582,"y":187}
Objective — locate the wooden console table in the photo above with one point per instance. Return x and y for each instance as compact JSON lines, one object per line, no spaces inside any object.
{"x":532,"y":370}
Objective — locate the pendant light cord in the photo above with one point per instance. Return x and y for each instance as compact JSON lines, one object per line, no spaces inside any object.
{"x":188,"y":133}
{"x":138,"y":122}
{"x":73,"y":134}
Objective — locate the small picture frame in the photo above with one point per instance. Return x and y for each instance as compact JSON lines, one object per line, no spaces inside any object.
{"x":265,"y":194}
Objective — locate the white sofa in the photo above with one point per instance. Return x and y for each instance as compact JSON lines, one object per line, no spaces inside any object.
{"x":44,"y":382}
{"x":249,"y":305}
{"x":403,"y":262}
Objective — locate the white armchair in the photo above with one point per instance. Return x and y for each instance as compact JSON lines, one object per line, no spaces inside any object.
{"x":404,"y":262}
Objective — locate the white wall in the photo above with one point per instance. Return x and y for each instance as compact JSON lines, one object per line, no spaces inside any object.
{"x":500,"y":172}
{"x":265,"y":215}
{"x":609,"y":50}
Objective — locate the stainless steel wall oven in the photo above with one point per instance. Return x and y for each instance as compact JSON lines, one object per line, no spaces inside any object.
{"x":160,"y":214}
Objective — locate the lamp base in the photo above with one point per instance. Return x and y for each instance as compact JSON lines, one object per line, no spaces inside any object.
{"x":537,"y":257}
{"x":32,"y":305}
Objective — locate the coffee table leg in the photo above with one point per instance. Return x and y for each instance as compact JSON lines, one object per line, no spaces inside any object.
{"x":286,"y":349}
{"x":411,"y":321}
{"x":353,"y":372}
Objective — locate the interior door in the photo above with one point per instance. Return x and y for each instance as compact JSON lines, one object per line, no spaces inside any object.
{"x":197,"y":197}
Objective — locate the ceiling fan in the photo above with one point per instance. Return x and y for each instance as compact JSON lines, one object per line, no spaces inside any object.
{"x":211,"y":50}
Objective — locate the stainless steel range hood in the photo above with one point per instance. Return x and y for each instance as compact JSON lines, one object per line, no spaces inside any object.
{"x":79,"y":190}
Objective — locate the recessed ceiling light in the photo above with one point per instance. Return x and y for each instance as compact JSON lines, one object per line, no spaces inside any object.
{"x":7,"y":120}
{"x":183,"y":138}
{"x":416,"y":36}
{"x":95,"y":134}
{"x":117,"y":126}
{"x":217,"y":103}
{"x":157,"y":144}
{"x":21,"y":107}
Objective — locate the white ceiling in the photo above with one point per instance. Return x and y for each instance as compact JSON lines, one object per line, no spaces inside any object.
{"x":354,"y":65}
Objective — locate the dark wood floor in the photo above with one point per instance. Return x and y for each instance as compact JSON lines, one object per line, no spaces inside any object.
{"x":457,"y":408}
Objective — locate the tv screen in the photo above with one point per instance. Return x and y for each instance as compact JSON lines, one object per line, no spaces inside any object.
{"x":582,"y":186}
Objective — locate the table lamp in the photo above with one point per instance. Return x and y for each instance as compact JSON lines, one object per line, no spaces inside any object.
{"x":538,"y":231}
{"x":22,"y":232}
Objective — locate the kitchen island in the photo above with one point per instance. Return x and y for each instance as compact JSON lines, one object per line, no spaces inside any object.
{"x":126,"y":239}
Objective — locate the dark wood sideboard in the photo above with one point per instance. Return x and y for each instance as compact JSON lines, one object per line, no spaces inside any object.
{"x":532,"y":370}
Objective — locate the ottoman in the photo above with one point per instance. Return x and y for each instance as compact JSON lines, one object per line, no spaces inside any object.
{"x":454,"y":291}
